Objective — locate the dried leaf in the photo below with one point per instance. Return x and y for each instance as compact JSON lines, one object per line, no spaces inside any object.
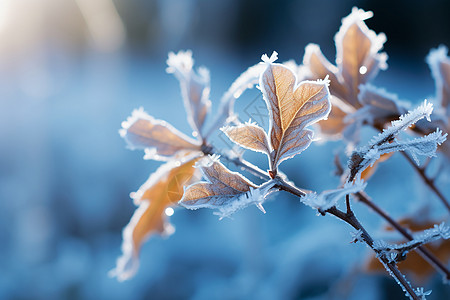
{"x":249,"y":136}
{"x":194,"y":87}
{"x":142,"y":131}
{"x":335,"y":124}
{"x":358,"y":59}
{"x":379,"y":106}
{"x":164,"y":188}
{"x":225,"y":190}
{"x":292,"y":107}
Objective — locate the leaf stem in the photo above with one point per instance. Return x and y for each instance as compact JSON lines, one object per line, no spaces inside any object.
{"x":239,"y":162}
{"x":427,"y":180}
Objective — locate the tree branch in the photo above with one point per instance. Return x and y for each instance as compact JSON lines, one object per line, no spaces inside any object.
{"x":428,"y":181}
{"x":422,"y":251}
{"x":351,"y":219}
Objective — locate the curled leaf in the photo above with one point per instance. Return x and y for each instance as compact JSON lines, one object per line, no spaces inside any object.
{"x":142,"y":131}
{"x":194,"y":87}
{"x":250,"y":136}
{"x":292,"y":107}
{"x":225,"y":190}
{"x":163,"y":188}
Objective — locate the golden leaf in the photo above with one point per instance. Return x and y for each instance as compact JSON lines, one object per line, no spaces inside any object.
{"x":292,"y":107}
{"x":163,"y":189}
{"x":357,"y":60}
{"x":194,"y":87}
{"x":225,"y":190}
{"x":142,"y":131}
{"x":249,"y":136}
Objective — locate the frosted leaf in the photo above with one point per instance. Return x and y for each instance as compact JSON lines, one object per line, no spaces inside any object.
{"x":406,"y":120}
{"x":423,"y":146}
{"x":327,"y":199}
{"x":249,"y":136}
{"x":225,"y":191}
{"x":194,"y":87}
{"x":378,"y":106}
{"x":385,"y":142}
{"x":163,"y":189}
{"x":439,"y":63}
{"x":246,"y":80}
{"x":358,"y":57}
{"x":157,"y":137}
{"x":292,"y":107}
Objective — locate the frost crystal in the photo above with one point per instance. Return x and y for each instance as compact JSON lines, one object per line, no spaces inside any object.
{"x":328,"y":199}
{"x":357,"y":236}
{"x":254,"y":196}
{"x":270,"y":59}
{"x":397,"y":252}
{"x":421,"y":293}
{"x":406,"y":120}
{"x":385,"y":142}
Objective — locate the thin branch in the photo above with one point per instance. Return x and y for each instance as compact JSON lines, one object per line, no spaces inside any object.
{"x":351,"y":219}
{"x":427,"y":180}
{"x":422,"y":251}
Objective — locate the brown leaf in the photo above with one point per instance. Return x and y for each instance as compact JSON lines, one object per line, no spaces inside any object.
{"x":357,"y":59}
{"x":379,"y":107}
{"x":163,"y":189}
{"x":194,"y":87}
{"x":414,"y":263}
{"x":292,"y":107}
{"x":250,"y":136}
{"x":142,"y":131}
{"x":225,"y":190}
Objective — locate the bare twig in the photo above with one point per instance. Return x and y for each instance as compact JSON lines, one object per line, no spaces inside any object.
{"x":422,"y":251}
{"x":427,"y":181}
{"x":350,"y":218}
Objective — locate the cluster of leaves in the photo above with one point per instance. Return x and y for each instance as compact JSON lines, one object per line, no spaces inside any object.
{"x":339,"y":98}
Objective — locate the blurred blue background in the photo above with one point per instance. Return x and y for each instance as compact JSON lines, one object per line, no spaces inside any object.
{"x":72,"y":70}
